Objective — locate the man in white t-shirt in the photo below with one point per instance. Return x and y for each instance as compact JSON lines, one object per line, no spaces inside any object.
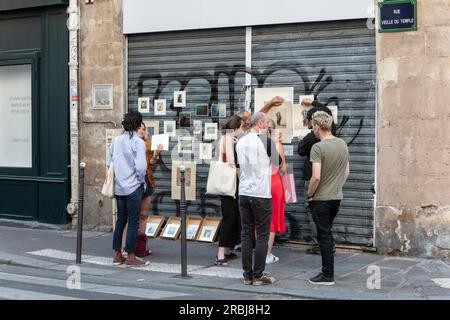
{"x":256,"y":153}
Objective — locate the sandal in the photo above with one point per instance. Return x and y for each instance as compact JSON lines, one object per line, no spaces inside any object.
{"x":221,"y":262}
{"x":231,"y":255}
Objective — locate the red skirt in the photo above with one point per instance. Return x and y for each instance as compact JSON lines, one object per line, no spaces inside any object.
{"x":278,"y":202}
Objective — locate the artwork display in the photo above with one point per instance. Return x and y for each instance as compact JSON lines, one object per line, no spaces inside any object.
{"x":185,"y":144}
{"x":190,"y":180}
{"x":102,"y":96}
{"x":152,"y":127}
{"x":160,"y":107}
{"x":205,"y":151}
{"x":210,"y":131}
{"x":144,"y":105}
{"x":300,"y":120}
{"x":197,"y":127}
{"x":170,"y":128}
{"x":185,"y":119}
{"x":202,"y":110}
{"x":282,"y":116}
{"x":179,"y":99}
{"x":263,"y":95}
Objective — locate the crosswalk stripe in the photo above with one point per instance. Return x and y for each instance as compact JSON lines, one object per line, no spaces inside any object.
{"x":18,"y":294}
{"x":153,"y":266}
{"x":90,"y":287}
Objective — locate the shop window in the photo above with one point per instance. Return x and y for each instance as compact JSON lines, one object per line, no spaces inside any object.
{"x":16,"y":116}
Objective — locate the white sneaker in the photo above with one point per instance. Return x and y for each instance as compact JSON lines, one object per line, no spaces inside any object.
{"x":271,"y":259}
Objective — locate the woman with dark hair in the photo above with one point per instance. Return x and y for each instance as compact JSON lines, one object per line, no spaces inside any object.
{"x":230,"y":228}
{"x":127,"y":152}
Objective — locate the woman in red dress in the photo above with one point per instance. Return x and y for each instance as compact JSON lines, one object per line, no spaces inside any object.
{"x":278,"y":224}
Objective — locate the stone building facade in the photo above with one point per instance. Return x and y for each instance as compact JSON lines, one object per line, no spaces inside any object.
{"x":412,"y":202}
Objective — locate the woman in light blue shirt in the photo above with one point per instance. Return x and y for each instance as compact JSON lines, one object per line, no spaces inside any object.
{"x":127,"y":152}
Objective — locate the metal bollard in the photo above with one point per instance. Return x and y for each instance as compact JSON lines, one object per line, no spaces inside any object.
{"x":183,"y":224}
{"x":80,"y":214}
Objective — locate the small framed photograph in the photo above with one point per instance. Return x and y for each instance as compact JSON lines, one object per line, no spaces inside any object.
{"x":102,"y":96}
{"x":185,"y":144}
{"x":215,"y":110}
{"x":205,"y":151}
{"x":198,"y":124}
{"x":179,"y":99}
{"x":160,"y":107}
{"x":222,"y":110}
{"x":170,"y":128}
{"x":172,"y":228}
{"x":144,"y":105}
{"x":210,"y":131}
{"x":152,"y":127}
{"x":192,"y":227}
{"x":209,"y":229}
{"x":185,"y":119}
{"x":202,"y":110}
{"x":153,"y":226}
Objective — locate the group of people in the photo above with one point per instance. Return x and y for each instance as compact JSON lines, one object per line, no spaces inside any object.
{"x":255,"y":148}
{"x":251,"y":219}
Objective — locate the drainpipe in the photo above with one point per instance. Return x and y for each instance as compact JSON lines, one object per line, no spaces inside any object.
{"x":73,"y":24}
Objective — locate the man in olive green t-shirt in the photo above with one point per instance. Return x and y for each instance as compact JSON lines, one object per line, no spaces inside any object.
{"x":330,"y":169}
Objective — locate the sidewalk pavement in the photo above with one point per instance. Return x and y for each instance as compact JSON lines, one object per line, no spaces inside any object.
{"x":355,"y":272}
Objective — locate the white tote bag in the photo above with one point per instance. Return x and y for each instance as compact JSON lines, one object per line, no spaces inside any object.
{"x":222,"y":178}
{"x":108,"y":185}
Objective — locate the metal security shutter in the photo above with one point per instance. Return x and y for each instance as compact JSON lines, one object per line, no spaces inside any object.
{"x":209,"y":65}
{"x":335,"y":61}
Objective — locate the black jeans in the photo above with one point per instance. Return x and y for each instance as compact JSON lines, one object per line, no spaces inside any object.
{"x":230,"y":227}
{"x":128,"y":209}
{"x":256,"y":213}
{"x":323,"y":213}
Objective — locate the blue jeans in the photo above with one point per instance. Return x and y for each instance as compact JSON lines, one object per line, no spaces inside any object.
{"x":128,"y":209}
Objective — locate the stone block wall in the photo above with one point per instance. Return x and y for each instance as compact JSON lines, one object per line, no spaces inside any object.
{"x":413,"y":166}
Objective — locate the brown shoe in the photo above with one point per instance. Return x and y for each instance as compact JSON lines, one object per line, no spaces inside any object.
{"x":117,"y":261}
{"x":136,"y":263}
{"x":248,"y":282}
{"x":263,"y":280}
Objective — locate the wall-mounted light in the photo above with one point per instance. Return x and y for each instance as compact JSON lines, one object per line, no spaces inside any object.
{"x":88,"y":1}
